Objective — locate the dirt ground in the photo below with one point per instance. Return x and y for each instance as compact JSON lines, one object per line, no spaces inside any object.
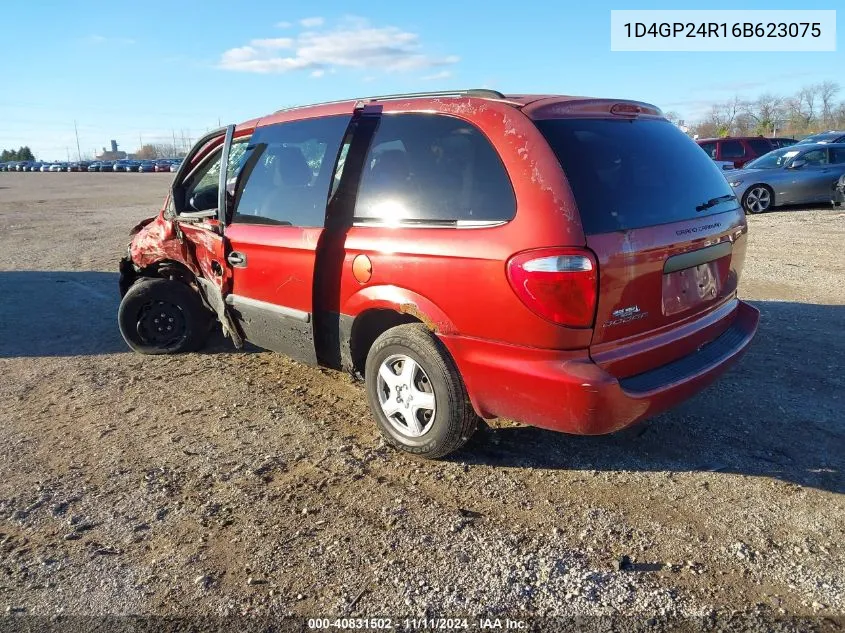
{"x":228,"y":483}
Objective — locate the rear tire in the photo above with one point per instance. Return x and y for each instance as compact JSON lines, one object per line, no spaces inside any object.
{"x":416,"y":393}
{"x":163,"y":316}
{"x":758,"y":199}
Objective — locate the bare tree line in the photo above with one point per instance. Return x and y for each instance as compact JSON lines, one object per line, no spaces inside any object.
{"x":159,"y":150}
{"x":812,"y":109}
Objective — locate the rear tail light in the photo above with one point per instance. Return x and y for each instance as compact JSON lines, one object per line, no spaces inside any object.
{"x":558,"y":284}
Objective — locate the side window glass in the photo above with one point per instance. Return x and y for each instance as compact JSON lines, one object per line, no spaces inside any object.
{"x":428,"y":168}
{"x":732,"y":149}
{"x":816,"y":158}
{"x":760,"y":146}
{"x":341,"y":163}
{"x":201,"y":189}
{"x":288,"y":172}
{"x":709,"y":149}
{"x":837,"y":155}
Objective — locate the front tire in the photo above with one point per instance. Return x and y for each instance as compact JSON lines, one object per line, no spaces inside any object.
{"x":416,"y":393}
{"x":163,"y":316}
{"x":758,"y":199}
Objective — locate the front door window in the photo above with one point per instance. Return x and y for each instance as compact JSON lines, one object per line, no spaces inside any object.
{"x":289,"y":172}
{"x":201,"y":186}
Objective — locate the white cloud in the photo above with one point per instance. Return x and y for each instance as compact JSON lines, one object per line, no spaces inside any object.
{"x":443,"y":74}
{"x":318,"y":73}
{"x":235,"y":56}
{"x":283,"y":25}
{"x":310,"y":23}
{"x":353,"y":44}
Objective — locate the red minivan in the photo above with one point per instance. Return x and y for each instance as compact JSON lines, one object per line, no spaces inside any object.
{"x":567,"y":262}
{"x":734,"y":152}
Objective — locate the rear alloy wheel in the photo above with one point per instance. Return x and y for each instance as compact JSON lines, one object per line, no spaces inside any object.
{"x":163,"y":316}
{"x":416,"y":393}
{"x":757,"y":199}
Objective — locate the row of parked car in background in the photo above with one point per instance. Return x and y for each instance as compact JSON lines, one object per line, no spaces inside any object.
{"x":773,"y":172}
{"x":141,"y":166}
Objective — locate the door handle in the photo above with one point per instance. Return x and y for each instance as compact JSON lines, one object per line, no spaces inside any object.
{"x":236,"y":259}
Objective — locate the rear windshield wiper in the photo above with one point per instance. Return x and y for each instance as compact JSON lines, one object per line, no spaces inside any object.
{"x":714,"y":201}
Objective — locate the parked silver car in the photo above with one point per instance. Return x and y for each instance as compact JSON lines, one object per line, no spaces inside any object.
{"x":800,"y":174}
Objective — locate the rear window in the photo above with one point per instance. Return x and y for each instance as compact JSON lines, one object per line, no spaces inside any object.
{"x":709,"y":149}
{"x":628,"y":174}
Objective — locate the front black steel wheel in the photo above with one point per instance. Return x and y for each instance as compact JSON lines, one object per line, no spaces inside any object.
{"x":161,"y":324}
{"x":162,"y":316}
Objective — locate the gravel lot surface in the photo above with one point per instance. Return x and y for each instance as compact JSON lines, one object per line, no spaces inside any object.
{"x":229,"y":483}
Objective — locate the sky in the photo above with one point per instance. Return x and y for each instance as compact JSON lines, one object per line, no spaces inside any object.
{"x":153,"y":72}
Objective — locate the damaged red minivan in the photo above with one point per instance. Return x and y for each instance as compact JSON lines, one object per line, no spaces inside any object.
{"x":567,"y":262}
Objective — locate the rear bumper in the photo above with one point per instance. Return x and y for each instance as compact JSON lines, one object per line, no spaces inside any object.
{"x":567,"y":391}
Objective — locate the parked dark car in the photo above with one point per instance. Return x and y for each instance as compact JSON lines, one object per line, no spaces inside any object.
{"x":163,"y":165}
{"x":779,"y":142}
{"x":381,"y":235}
{"x":33,"y":167}
{"x":95,"y":166}
{"x":120,"y":165}
{"x":734,"y":152}
{"x":106,"y":165}
{"x":831,"y":136}
{"x":147,"y":166}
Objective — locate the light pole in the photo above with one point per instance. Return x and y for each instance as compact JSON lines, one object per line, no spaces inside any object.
{"x":78,"y":151}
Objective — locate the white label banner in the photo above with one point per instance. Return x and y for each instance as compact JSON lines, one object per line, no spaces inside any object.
{"x":728,"y":30}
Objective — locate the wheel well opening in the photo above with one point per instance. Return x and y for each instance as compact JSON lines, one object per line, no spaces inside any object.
{"x":168,"y":269}
{"x":165,"y":269}
{"x":367,"y":328}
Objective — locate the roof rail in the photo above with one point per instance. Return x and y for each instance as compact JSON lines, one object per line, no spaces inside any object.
{"x":482,"y":93}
